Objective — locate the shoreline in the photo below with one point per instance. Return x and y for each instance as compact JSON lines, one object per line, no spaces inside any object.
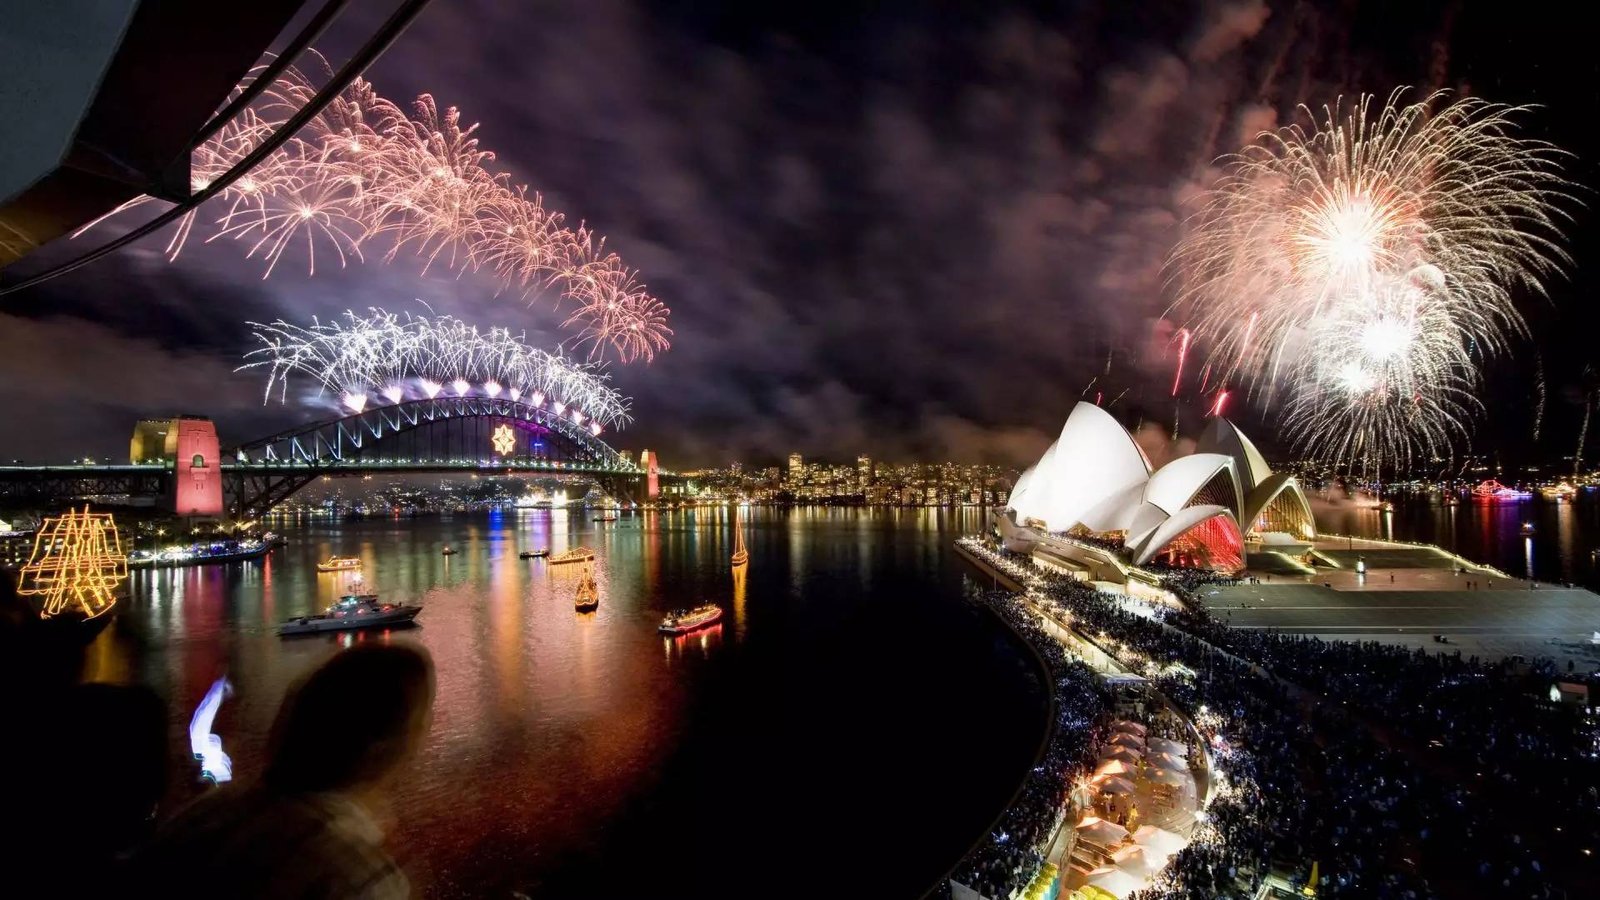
{"x":940,"y":886}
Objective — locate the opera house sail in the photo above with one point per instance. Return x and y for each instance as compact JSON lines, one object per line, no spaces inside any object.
{"x":1206,"y":509}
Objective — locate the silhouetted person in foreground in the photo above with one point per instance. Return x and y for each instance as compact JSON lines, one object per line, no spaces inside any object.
{"x":309,"y":828}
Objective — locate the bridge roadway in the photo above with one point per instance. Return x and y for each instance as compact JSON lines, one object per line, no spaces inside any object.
{"x":254,"y":487}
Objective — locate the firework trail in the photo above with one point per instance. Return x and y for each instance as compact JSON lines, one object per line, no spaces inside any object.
{"x":1183,"y":353}
{"x":1365,"y":262}
{"x":358,"y":359}
{"x":419,"y":184}
{"x":1538,"y":410}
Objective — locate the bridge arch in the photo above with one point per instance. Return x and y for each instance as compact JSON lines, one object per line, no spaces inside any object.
{"x":476,"y":434}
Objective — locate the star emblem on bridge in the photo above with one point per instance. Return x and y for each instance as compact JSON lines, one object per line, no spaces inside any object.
{"x":504,"y":440}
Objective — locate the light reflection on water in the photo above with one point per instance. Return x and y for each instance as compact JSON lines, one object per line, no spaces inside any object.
{"x":847,"y":683}
{"x":1559,"y":550}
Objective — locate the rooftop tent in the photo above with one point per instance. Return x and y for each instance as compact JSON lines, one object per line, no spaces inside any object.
{"x":1098,"y":831}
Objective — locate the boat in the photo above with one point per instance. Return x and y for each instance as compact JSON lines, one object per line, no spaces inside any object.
{"x":606,"y":517}
{"x":1494,"y":490}
{"x":200,"y":554}
{"x":78,"y":570}
{"x":683,"y":621}
{"x":1559,"y":492}
{"x":740,"y":554}
{"x":357,"y":609}
{"x":576,"y":554}
{"x":588,"y":599}
{"x":1527,"y":529}
{"x":339,"y":564}
{"x":448,"y":551}
{"x":540,"y":553}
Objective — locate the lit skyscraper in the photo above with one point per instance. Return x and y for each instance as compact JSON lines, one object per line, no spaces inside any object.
{"x":797,"y":467}
{"x":864,"y":471}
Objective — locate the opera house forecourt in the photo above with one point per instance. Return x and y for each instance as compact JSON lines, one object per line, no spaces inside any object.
{"x":1093,"y":505}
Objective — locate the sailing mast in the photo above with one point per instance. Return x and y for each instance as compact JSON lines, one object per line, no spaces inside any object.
{"x":740,"y":554}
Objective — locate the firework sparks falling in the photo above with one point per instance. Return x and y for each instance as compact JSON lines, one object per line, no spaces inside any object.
{"x":1365,"y":262}
{"x":1183,"y":354}
{"x":359,"y":359}
{"x":419,"y":184}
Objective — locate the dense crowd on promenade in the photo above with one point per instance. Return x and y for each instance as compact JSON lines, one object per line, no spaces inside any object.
{"x":1305,"y":777}
{"x":1007,"y":858}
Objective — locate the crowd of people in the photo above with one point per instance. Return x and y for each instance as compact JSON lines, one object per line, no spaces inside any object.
{"x":1009,"y":855}
{"x":1334,"y":753}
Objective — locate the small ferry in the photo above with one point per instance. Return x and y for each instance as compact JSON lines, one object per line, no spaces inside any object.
{"x":540,"y":553}
{"x":354,"y":610}
{"x":683,"y":621}
{"x":339,"y":564}
{"x":206,"y":553}
{"x":575,"y":555}
{"x":448,"y":551}
{"x":588,"y":599}
{"x":606,"y":517}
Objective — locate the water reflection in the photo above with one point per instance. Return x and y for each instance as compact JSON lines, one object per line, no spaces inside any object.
{"x":564,"y":741}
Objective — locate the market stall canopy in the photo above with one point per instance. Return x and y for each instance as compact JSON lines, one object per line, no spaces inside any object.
{"x":1113,"y":767}
{"x":1113,"y":785}
{"x":1124,"y":739}
{"x":1130,"y":727}
{"x":1169,"y":777}
{"x":1098,"y":831}
{"x":1138,"y":862}
{"x":1122,"y":754}
{"x":1168,"y":761}
{"x":1173,"y":747}
{"x":1159,"y":840}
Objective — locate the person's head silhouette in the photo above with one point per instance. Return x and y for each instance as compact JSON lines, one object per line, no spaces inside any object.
{"x":353,"y":721}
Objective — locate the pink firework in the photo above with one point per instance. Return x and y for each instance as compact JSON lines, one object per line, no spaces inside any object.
{"x":365,"y":169}
{"x":1183,"y":354}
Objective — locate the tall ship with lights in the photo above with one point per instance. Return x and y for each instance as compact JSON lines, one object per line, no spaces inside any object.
{"x":740,"y":554}
{"x":77,"y":568}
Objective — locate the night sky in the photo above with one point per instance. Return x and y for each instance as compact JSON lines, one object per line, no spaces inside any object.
{"x":916,"y":231}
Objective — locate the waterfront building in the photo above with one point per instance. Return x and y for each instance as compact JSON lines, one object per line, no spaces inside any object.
{"x":1097,"y":486}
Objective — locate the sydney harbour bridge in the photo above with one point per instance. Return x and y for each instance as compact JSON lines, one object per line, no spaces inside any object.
{"x":190,"y":472}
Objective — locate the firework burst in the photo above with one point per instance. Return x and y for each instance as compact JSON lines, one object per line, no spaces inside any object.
{"x":1364,"y":264}
{"x":419,"y":184}
{"x":381,"y":356}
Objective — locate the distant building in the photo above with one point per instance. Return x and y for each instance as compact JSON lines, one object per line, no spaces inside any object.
{"x":189,"y":446}
{"x":797,"y":467}
{"x":864,"y":471}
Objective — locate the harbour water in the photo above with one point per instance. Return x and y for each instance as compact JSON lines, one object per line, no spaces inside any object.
{"x":1559,"y":548}
{"x":849,"y":728}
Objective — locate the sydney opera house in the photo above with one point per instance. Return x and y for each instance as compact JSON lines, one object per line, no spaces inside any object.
{"x":1094,"y":489}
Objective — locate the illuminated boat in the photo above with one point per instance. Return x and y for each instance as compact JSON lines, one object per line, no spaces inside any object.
{"x":588,"y":599}
{"x":448,"y":551}
{"x":540,"y":553}
{"x":1494,"y":490}
{"x":606,"y":517}
{"x":201,"y":554}
{"x":353,"y":611}
{"x":1559,"y":492}
{"x":77,"y":568}
{"x":575,"y":555}
{"x":683,"y":621}
{"x":740,"y":554}
{"x":339,"y":564}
